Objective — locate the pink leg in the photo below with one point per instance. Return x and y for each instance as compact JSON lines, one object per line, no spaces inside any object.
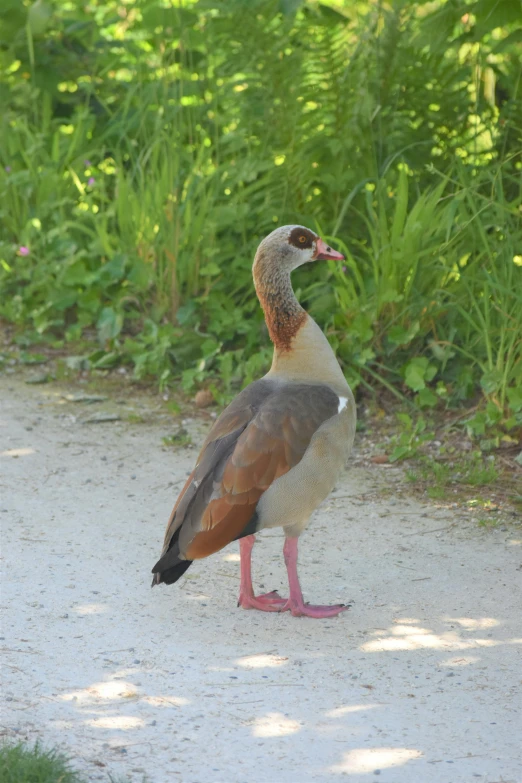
{"x":269,"y":602}
{"x":295,"y":603}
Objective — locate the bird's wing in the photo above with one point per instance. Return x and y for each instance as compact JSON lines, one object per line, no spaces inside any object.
{"x":260,"y":437}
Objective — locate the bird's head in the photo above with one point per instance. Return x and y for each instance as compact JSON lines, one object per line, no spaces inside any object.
{"x":291,"y":246}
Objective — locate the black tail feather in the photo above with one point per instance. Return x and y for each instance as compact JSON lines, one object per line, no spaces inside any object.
{"x":170,"y":567}
{"x":170,"y":574}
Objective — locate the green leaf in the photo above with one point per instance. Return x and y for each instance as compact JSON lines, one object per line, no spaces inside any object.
{"x":513,"y":38}
{"x":39,"y":16}
{"x":364,"y":357}
{"x":488,"y":444}
{"x":477,"y":424}
{"x":398,"y":335}
{"x":491,"y":14}
{"x":114,"y":269}
{"x":494,"y":413}
{"x":140,"y":275}
{"x":431,"y":372}
{"x":391,"y":295}
{"x":405,"y":420}
{"x":491,"y":381}
{"x":427,"y":399}
{"x":415,"y":377}
{"x":33,"y":358}
{"x":436,"y":29}
{"x":401,"y":208}
{"x":77,"y":363}
{"x":418,"y":371}
{"x":290,"y":7}
{"x":185,"y":313}
{"x":515,"y":399}
{"x":415,"y":372}
{"x":109,"y":324}
{"x":441,"y":352}
{"x":64,"y":301}
{"x":107,"y":360}
{"x":399,"y":452}
{"x":210,"y":270}
{"x":75,"y":274}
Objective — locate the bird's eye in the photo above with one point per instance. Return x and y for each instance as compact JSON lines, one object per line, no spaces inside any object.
{"x":302,"y":239}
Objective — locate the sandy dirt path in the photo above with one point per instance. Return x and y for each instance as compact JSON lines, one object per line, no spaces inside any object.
{"x":419,"y":682}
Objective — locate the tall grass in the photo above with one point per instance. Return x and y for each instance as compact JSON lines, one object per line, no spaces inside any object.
{"x":21,"y":764}
{"x":142,"y":175}
{"x":488,"y":297}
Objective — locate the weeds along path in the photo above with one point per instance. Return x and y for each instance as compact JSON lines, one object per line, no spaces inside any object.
{"x":417,"y":682}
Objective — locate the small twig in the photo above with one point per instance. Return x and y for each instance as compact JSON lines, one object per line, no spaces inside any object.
{"x":131,"y":745}
{"x":456,"y":758}
{"x":255,"y":701}
{"x":467,"y":412}
{"x":199,"y":594}
{"x":34,"y":540}
{"x":230,"y":576}
{"x":10,"y":649}
{"x":266,"y":684}
{"x":425,"y":532}
{"x":107,"y":652}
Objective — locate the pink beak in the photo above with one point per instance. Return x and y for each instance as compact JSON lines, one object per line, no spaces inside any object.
{"x":324,"y":252}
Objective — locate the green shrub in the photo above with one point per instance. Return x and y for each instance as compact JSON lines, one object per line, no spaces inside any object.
{"x":148,"y":148}
{"x":20,"y":764}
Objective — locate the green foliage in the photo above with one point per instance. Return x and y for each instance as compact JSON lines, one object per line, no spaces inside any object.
{"x":149,"y":147}
{"x":441,"y":477}
{"x":411,"y":435}
{"x":179,"y":439}
{"x":19,"y":764}
{"x":489,"y":427}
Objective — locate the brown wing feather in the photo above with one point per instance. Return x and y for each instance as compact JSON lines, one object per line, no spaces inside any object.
{"x":173,"y":512}
{"x":248,"y":473}
{"x":198,"y":488}
{"x":258,"y":439}
{"x":273,"y":443}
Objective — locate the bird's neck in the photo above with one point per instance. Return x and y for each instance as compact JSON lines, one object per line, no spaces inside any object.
{"x":302,"y":354}
{"x":309,"y":360}
{"x":284,"y":315}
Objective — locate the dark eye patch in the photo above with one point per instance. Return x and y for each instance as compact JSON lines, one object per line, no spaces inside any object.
{"x":301,"y":238}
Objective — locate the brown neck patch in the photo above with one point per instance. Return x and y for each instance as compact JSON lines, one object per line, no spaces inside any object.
{"x":284,"y":315}
{"x":283,"y":321}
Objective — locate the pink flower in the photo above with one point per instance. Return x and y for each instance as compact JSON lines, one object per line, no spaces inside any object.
{"x":8,"y":169}
{"x":345,"y":268}
{"x":23,"y":250}
{"x":91,"y":181}
{"x":87,"y":163}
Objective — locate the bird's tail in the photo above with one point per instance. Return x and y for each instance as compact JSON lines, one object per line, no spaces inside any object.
{"x":169,"y":568}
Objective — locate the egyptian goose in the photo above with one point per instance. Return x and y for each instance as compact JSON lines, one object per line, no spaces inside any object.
{"x":275,"y":453}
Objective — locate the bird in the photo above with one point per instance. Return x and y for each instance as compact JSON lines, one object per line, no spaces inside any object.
{"x":275,"y":453}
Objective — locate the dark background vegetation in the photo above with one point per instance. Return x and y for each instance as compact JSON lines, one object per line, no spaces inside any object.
{"x":148,"y":146}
